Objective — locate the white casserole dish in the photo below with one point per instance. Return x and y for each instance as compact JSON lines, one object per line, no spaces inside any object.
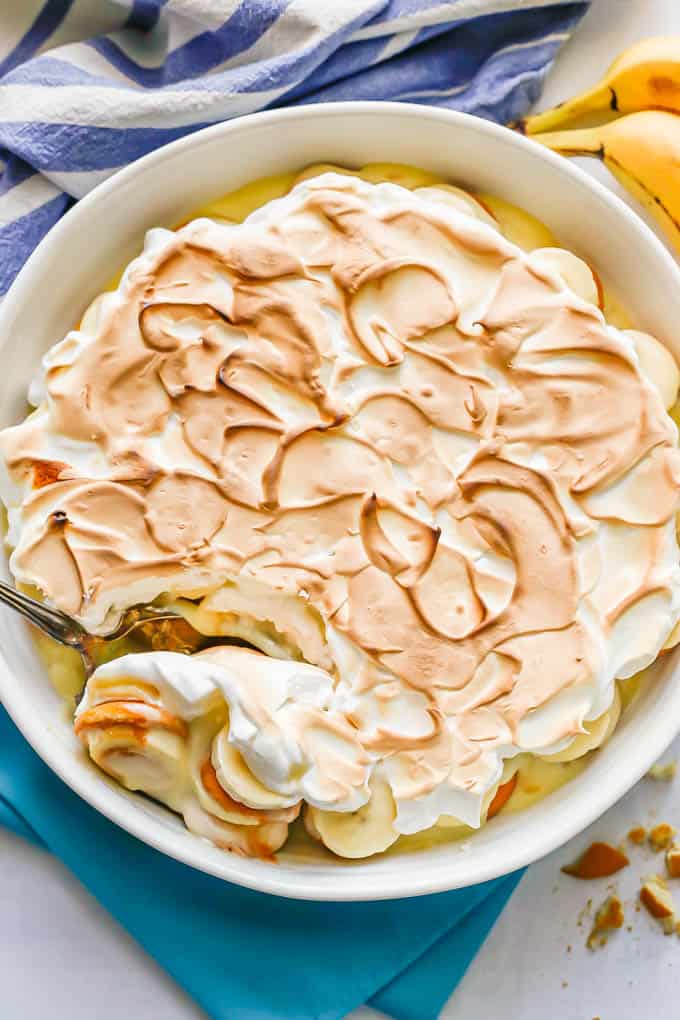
{"x":106,"y":229}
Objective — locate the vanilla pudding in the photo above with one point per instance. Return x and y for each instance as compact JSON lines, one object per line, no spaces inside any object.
{"x":409,"y":461}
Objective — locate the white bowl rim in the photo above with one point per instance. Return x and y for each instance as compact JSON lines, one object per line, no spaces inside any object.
{"x":71,"y":771}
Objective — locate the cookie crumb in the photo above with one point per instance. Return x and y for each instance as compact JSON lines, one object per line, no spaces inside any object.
{"x":608,"y":918}
{"x":673,"y":861}
{"x":600,"y":860}
{"x":637,"y":835}
{"x":663,"y":773}
{"x":584,"y":913}
{"x":661,"y":836}
{"x":657,"y":900}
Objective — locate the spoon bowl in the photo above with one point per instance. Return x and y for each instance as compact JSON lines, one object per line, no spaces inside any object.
{"x":153,"y":628}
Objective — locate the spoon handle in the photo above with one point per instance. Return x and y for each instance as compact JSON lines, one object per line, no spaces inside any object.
{"x":51,"y":621}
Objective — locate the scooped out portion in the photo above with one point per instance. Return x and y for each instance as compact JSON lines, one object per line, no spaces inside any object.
{"x":240,"y":744}
{"x":230,"y":739}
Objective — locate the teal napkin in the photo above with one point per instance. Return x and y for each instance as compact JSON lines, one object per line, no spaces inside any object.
{"x":241,"y":954}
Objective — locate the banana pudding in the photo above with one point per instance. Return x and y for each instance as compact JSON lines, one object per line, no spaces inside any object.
{"x":406,"y":460}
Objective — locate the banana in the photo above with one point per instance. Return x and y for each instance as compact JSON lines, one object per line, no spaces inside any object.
{"x":645,"y":76}
{"x":597,"y":731}
{"x":461,"y":201}
{"x":204,"y":777}
{"x":658,"y":364}
{"x":410,"y":177}
{"x":501,"y":797}
{"x":309,"y":825}
{"x":208,"y":788}
{"x":520,"y":227}
{"x":246,"y":840}
{"x":235,"y":206}
{"x":575,"y":273}
{"x":239,"y":782}
{"x":141,"y":746}
{"x":362,"y":833}
{"x":397,"y":173}
{"x":643,"y":152}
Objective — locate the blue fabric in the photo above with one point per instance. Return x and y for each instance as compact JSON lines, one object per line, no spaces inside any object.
{"x":82,"y":93}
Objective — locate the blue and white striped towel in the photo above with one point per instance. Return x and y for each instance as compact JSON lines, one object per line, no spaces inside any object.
{"x":87,"y":86}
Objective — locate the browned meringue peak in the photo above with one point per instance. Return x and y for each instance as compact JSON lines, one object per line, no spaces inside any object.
{"x":364,"y":403}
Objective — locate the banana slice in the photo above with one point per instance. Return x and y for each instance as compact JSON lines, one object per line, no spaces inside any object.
{"x":309,"y":825}
{"x":406,"y":176}
{"x":658,"y":364}
{"x":129,"y":713}
{"x":410,"y":177}
{"x":209,"y":792}
{"x":236,"y":778}
{"x":156,"y":765}
{"x":246,"y":840}
{"x":125,"y":742}
{"x":238,"y":204}
{"x":120,"y":688}
{"x":597,"y":732}
{"x":231,"y":811}
{"x":210,"y":795}
{"x":316,"y":169}
{"x":362,"y":833}
{"x":517,"y":225}
{"x":502,"y":795}
{"x":576,"y":273}
{"x":461,"y":201}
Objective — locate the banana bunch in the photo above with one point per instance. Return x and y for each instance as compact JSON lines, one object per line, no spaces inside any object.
{"x":641,"y":149}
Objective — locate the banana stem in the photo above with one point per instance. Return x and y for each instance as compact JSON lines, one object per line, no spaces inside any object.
{"x":600,"y":97}
{"x":586,"y":142}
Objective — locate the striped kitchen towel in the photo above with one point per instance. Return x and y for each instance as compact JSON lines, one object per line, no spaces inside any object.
{"x":87,"y":86}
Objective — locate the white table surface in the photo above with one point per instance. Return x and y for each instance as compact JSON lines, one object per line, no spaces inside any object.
{"x":63,"y":957}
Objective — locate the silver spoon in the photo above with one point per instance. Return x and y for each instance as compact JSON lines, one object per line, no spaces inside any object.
{"x":91,"y":647}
